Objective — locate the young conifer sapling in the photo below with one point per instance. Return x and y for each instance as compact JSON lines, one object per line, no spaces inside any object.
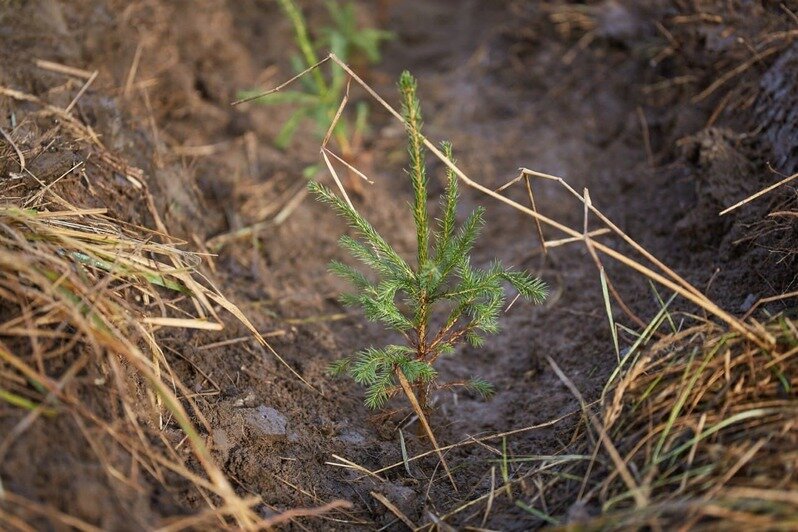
{"x":436,"y":303}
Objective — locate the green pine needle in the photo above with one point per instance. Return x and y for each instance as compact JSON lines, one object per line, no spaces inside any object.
{"x":380,"y":249}
{"x":529,"y":287}
{"x":339,"y":367}
{"x":481,"y":386}
{"x":349,"y":273}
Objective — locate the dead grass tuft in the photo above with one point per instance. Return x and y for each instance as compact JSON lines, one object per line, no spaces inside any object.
{"x":83,"y":296}
{"x":706,"y":423}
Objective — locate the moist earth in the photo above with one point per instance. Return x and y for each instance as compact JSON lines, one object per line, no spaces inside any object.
{"x":511,"y":85}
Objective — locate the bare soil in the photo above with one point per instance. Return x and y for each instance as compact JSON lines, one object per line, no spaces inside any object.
{"x":511,"y":85}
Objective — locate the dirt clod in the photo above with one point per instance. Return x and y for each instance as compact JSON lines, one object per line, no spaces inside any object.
{"x":777,"y":110}
{"x":268,"y":423}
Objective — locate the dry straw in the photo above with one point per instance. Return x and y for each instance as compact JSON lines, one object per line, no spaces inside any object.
{"x":85,"y":293}
{"x":708,"y":422}
{"x":71,"y":276}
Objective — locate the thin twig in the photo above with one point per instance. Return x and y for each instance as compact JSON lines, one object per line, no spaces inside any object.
{"x":411,"y":396}
{"x":394,"y":510}
{"x":758,"y":194}
{"x":16,"y":149}
{"x":282,"y":85}
{"x":528,"y":182}
{"x":82,"y":91}
{"x":640,"y":499}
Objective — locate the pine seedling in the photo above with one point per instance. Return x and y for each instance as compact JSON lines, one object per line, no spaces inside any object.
{"x":436,"y":303}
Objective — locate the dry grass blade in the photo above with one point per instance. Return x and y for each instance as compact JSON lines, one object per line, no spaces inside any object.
{"x":349,"y":167}
{"x":759,"y":194}
{"x":63,"y":69}
{"x":184,"y":323}
{"x":770,"y":299}
{"x":403,"y":448}
{"x":78,"y":272}
{"x":82,"y":91}
{"x":293,"y":513}
{"x":411,"y":396}
{"x":282,"y":85}
{"x":608,"y":308}
{"x":337,"y":179}
{"x":569,"y":240}
{"x":640,"y":499}
{"x":491,"y":496}
{"x":735,"y":72}
{"x":351,"y":465}
{"x":19,"y":153}
{"x":538,"y":227}
{"x":337,"y":116}
{"x":393,"y":509}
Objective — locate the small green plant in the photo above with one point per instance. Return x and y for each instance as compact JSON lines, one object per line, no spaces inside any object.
{"x":318,"y":99}
{"x":347,"y":36}
{"x":435,"y":305}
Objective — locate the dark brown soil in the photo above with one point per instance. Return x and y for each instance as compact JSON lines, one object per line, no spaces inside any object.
{"x":510,"y":84}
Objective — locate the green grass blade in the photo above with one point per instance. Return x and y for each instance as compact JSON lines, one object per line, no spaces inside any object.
{"x":303,"y":39}
{"x":677,"y":407}
{"x":537,"y":513}
{"x":608,"y":308}
{"x":22,"y":402}
{"x":652,"y":326}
